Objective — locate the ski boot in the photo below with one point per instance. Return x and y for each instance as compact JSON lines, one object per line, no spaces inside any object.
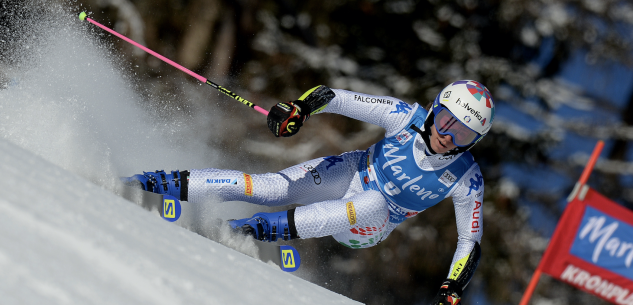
{"x":268,"y":226}
{"x":160,"y":182}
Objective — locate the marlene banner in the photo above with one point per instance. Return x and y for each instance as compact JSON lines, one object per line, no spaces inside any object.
{"x":592,"y":248}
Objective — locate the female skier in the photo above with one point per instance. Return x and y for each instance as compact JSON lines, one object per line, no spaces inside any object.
{"x":359,"y":197}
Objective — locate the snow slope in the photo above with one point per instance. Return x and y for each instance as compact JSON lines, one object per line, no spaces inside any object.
{"x":67,"y":241}
{"x":72,"y":120}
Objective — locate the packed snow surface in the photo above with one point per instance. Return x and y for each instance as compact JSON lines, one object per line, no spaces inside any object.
{"x":66,"y":240}
{"x":75,"y":116}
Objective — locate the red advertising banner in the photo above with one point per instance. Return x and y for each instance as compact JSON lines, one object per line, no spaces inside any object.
{"x":592,"y":248}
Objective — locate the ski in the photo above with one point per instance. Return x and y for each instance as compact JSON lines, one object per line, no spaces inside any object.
{"x":184,"y":213}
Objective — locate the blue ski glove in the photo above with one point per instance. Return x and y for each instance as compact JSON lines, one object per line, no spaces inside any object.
{"x":449,"y":294}
{"x":285,"y":119}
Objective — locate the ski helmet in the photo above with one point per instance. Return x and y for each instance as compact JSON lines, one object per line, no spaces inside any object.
{"x":465,"y":111}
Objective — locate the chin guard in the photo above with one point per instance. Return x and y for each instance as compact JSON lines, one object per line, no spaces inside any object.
{"x":464,"y":269}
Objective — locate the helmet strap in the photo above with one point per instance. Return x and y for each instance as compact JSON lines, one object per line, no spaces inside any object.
{"x":425,"y":136}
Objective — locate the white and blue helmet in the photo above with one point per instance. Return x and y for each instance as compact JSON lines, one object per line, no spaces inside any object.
{"x":465,"y":110}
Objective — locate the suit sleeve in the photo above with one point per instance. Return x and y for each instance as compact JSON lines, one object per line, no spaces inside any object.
{"x":384,"y":111}
{"x":468,"y":200}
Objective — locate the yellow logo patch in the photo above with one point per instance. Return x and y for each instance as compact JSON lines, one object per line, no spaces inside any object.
{"x":248,"y":185}
{"x":351,"y":213}
{"x":169,"y":208}
{"x":288,"y":258}
{"x":459,"y":267}
{"x":291,"y":124}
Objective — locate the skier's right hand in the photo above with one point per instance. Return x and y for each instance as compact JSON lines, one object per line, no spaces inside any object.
{"x":285,"y":119}
{"x":449,"y":294}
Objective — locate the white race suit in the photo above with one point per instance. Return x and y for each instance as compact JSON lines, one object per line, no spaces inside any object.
{"x":359,"y":197}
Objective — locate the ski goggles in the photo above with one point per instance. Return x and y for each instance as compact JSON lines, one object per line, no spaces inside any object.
{"x":447,"y":124}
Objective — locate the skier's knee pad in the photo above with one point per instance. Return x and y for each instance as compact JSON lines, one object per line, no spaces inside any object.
{"x":360,"y":237}
{"x":369,"y":216}
{"x":370,"y":208}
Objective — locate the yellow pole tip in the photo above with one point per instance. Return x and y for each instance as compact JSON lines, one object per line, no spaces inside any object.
{"x":82,"y":16}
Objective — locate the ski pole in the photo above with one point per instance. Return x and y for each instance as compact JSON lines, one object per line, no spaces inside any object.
{"x":83,"y":16}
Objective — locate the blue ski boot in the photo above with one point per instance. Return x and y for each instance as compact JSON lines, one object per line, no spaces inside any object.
{"x":268,"y":226}
{"x":160,"y":182}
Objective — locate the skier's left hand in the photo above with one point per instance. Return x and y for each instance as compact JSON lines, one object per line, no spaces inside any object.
{"x":285,"y":119}
{"x":449,"y":294}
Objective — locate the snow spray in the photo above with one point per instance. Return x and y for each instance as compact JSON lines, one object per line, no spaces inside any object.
{"x":65,"y":97}
{"x":83,"y":16}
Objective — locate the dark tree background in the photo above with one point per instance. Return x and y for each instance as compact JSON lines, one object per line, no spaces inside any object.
{"x":522,"y":50}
